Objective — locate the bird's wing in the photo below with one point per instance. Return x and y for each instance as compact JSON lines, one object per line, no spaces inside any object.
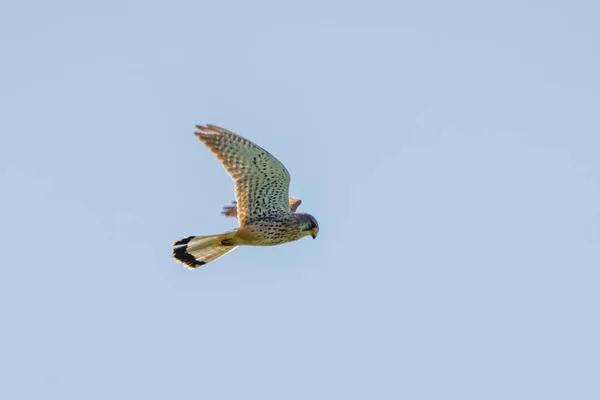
{"x":261,"y":181}
{"x":230,"y":211}
{"x":294,"y":204}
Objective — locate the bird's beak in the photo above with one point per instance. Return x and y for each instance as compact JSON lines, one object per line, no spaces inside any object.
{"x":314,"y":233}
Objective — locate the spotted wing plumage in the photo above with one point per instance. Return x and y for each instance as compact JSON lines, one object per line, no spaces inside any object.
{"x":231,"y":211}
{"x":261,"y":181}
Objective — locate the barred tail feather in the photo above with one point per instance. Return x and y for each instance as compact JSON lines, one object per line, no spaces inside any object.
{"x":195,"y":251}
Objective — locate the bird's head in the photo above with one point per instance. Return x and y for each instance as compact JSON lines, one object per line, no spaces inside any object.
{"x":308,"y":225}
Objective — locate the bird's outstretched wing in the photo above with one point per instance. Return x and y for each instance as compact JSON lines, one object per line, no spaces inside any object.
{"x":232,"y":210}
{"x":261,"y":181}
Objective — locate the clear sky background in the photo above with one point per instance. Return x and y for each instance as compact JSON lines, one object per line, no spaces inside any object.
{"x":449,"y":150}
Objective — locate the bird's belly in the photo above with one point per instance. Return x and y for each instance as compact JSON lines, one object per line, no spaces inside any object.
{"x":263,"y":236}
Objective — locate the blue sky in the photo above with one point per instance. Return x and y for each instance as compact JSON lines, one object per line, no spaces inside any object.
{"x":449,"y":151}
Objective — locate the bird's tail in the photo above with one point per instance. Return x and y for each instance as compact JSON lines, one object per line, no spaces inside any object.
{"x":195,"y":251}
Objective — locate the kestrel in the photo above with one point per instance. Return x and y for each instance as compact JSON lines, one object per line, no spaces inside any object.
{"x":266,"y":216}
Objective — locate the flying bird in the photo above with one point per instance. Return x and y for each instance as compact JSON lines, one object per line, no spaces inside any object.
{"x":266,"y":215}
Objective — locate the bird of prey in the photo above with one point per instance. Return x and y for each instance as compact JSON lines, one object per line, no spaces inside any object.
{"x":264,"y":212}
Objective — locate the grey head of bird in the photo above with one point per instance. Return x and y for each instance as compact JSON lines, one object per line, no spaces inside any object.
{"x":308,"y":224}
